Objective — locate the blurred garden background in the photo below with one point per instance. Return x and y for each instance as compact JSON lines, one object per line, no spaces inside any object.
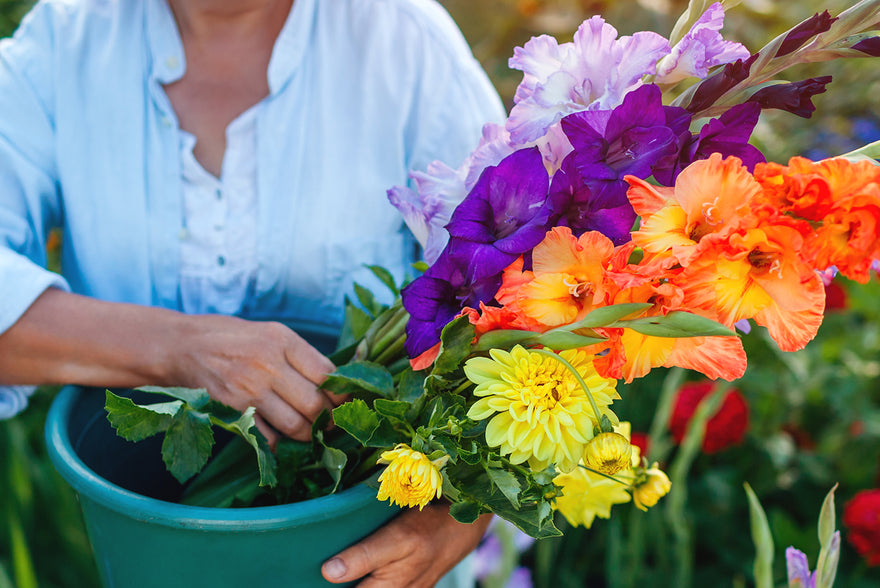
{"x":796,"y":424}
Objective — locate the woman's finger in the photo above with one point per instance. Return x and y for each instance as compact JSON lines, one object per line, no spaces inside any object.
{"x":301,"y":394}
{"x":284,"y":417}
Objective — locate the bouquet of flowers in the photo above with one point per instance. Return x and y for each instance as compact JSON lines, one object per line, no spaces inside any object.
{"x":618,"y":222}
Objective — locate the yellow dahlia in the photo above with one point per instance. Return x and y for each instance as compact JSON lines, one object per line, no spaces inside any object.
{"x":587,"y":495}
{"x":657,"y":485}
{"x":542,"y":414}
{"x":609,"y":453}
{"x":411,"y":479}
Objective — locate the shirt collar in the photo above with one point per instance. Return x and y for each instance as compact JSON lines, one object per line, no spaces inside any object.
{"x":168,"y":63}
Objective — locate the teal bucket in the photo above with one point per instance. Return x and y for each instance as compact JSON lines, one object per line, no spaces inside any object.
{"x":143,"y":539}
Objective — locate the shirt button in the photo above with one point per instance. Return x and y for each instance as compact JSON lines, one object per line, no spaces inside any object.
{"x":221,"y":261}
{"x":172,"y":62}
{"x":219,"y":194}
{"x":166,"y":122}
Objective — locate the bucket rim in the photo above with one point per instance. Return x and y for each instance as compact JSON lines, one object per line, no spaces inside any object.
{"x":90,"y":485}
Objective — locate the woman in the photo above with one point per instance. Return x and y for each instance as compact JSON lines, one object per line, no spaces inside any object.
{"x":208,"y":158}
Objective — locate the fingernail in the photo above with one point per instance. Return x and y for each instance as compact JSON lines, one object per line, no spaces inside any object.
{"x":335,"y":568}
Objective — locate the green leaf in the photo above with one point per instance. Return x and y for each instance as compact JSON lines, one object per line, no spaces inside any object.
{"x":195,"y":397}
{"x":134,"y":422}
{"x":677,"y":324}
{"x":829,"y":539}
{"x":245,"y":426}
{"x":763,"y":568}
{"x":354,"y":325}
{"x":560,"y":340}
{"x":449,"y":491}
{"x":605,"y":316}
{"x":228,"y":476}
{"x":385,"y":277}
{"x":504,"y":339}
{"x":333,"y":460}
{"x":391,"y":408}
{"x":360,"y":376}
{"x":465,"y":512}
{"x":507,"y":483}
{"x":411,"y":386}
{"x":187,"y":445}
{"x":455,"y":346}
{"x":356,"y":419}
{"x":367,"y":300}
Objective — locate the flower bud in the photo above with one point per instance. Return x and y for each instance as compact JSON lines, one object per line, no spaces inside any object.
{"x":608,"y":453}
{"x":656,"y":486}
{"x":411,"y":479}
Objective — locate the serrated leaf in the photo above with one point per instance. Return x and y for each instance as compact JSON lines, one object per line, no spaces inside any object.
{"x":455,"y":346}
{"x":195,"y":397}
{"x":562,"y":340}
{"x":245,"y":426}
{"x":677,"y":324}
{"x":465,"y":512}
{"x":385,"y":277}
{"x":333,"y":460}
{"x":391,"y":408}
{"x":356,"y":419}
{"x":605,"y":316}
{"x":386,"y":435}
{"x":361,"y":376}
{"x":507,"y":483}
{"x":134,"y":422}
{"x":187,"y":445}
{"x":449,"y":491}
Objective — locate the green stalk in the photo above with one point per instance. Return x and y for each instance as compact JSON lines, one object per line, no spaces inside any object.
{"x":391,"y":331}
{"x":392,"y":351}
{"x":658,"y":431}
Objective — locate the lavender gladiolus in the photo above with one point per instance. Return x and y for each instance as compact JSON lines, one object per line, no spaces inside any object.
{"x":798,"y":569}
{"x":701,"y":48}
{"x":594,"y":72}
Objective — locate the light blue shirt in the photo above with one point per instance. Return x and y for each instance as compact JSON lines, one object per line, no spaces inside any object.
{"x":361,"y":92}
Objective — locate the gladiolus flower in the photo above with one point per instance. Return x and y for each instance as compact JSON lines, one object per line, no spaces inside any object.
{"x":411,"y":479}
{"x":861,"y":515}
{"x":727,"y":427}
{"x":608,"y":453}
{"x":653,"y":489}
{"x":541,"y":412}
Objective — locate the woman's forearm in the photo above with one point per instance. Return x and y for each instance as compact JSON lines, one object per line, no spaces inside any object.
{"x":65,"y":338}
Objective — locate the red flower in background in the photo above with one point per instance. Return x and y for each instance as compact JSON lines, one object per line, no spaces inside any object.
{"x":835,"y":297}
{"x":861,"y":515}
{"x":642,"y":441}
{"x":726,"y":428}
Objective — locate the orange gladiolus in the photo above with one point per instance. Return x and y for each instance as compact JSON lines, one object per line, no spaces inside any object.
{"x":759,"y":273}
{"x":849,"y":236}
{"x":569,"y":277}
{"x":710,"y":197}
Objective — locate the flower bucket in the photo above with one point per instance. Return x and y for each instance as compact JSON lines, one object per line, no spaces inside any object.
{"x":143,"y":539}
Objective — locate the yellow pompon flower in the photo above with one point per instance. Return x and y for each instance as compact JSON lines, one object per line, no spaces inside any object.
{"x":411,"y":479}
{"x":657,"y":486}
{"x":608,"y":453}
{"x":587,"y":495}
{"x":541,"y":412}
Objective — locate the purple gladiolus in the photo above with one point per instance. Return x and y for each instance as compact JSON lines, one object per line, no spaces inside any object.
{"x":816,"y":24}
{"x":436,"y":297}
{"x":728,"y":135}
{"x":716,"y":86}
{"x":595,"y":71}
{"x":629,"y":140}
{"x":504,"y":216}
{"x":701,"y":48}
{"x":795,"y":97}
{"x":869,"y":46}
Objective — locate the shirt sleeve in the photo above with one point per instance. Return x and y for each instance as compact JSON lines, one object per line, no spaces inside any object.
{"x":29,"y":196}
{"x":454,"y":98}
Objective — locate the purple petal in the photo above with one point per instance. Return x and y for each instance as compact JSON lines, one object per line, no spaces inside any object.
{"x":487,"y":557}
{"x":520,"y":578}
{"x":795,"y":39}
{"x":795,"y":97}
{"x":701,"y":48}
{"x":714,"y":87}
{"x":869,"y":46}
{"x":798,"y":569}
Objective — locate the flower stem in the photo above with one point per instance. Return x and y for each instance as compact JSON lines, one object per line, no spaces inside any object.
{"x":389,"y":332}
{"x":577,"y":376}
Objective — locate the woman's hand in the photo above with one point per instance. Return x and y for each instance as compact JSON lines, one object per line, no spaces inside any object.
{"x":415,"y":549}
{"x":261,"y":364}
